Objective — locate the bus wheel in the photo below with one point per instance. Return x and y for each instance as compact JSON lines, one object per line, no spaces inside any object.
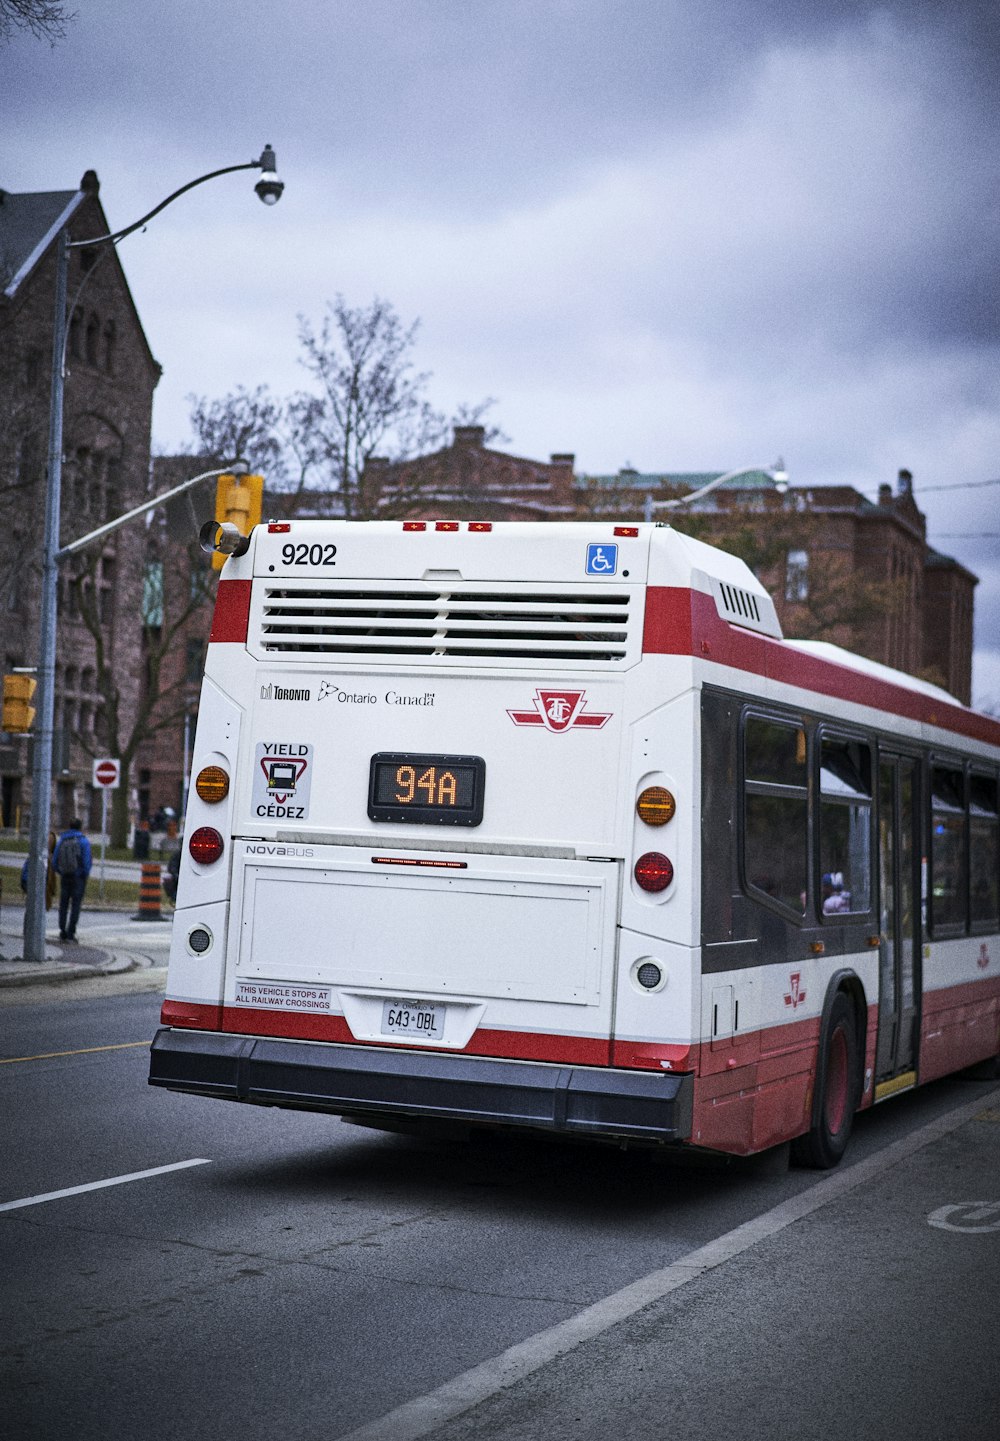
{"x":835,"y":1096}
{"x":988,"y":1070}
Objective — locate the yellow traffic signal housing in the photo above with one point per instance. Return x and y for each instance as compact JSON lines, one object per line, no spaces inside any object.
{"x":238,"y":499}
{"x":18,"y":712}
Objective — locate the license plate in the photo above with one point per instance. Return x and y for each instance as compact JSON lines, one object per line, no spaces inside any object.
{"x":417,"y":1020}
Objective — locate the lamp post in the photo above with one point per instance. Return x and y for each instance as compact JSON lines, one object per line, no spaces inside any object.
{"x":777,"y":472}
{"x":269,"y":189}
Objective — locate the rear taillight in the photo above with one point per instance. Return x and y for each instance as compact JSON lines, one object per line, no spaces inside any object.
{"x":205,"y":845}
{"x":653,"y":871}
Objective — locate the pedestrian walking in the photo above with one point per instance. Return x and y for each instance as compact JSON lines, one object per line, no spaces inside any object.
{"x":50,"y":875}
{"x":71,"y":862}
{"x":50,"y":880}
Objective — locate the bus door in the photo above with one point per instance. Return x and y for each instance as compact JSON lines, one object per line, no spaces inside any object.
{"x":899,"y":924}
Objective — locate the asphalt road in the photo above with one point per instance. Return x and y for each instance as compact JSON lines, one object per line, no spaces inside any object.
{"x":310,"y":1279}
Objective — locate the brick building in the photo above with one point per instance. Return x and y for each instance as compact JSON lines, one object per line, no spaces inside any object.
{"x":110,"y":378}
{"x":840,"y":567}
{"x":468,"y":476}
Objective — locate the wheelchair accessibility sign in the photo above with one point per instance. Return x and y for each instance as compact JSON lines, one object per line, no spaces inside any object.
{"x":602,"y":559}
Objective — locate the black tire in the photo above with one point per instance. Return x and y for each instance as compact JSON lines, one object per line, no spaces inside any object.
{"x":988,"y":1070}
{"x":835,"y":1095}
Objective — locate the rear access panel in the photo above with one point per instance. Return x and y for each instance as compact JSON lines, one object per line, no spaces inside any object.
{"x":422,"y":948}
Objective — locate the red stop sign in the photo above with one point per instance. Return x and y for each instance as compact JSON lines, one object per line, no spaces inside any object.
{"x":106,"y":773}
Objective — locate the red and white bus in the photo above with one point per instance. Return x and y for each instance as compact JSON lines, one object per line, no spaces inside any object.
{"x":547,"y":826}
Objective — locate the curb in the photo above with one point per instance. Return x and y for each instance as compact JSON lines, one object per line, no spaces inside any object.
{"x":16,"y":972}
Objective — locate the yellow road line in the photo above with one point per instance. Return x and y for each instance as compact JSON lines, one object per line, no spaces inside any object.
{"x":85,"y":1051}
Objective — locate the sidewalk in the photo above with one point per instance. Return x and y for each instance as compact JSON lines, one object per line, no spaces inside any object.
{"x":64,"y":960}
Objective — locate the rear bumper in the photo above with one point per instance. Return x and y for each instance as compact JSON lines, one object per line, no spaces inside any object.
{"x":364,"y":1080}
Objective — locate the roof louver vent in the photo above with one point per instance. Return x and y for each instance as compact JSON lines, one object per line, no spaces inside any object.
{"x":470,"y":625}
{"x":746,"y":608}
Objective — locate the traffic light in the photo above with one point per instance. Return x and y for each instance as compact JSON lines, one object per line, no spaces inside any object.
{"x":238,"y":499}
{"x":18,"y":712}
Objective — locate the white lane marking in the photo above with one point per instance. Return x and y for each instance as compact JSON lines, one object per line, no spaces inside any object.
{"x":99,"y":1185}
{"x":979,"y":1216}
{"x":424,"y":1414}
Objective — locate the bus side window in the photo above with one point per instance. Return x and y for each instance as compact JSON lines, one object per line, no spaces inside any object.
{"x":775,"y":811}
{"x":984,"y":852}
{"x":949,"y":856}
{"x":845,"y":821}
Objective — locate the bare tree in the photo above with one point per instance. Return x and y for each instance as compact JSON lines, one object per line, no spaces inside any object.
{"x":247,"y":425}
{"x":45,"y":19}
{"x":176,"y":585}
{"x":368,"y":400}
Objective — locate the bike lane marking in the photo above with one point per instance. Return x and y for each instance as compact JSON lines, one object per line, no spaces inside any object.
{"x":99,"y":1185}
{"x":979,"y":1217}
{"x":425,"y":1414}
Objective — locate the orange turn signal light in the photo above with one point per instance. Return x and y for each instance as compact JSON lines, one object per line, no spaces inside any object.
{"x":212,"y":784}
{"x":656,"y":806}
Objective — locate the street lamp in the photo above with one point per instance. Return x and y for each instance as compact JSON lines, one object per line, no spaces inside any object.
{"x":777,"y":472}
{"x":269,"y":189}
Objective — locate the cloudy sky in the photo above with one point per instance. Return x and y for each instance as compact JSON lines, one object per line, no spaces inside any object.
{"x":681,"y":234}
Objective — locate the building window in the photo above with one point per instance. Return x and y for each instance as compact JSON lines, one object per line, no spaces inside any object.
{"x":112,"y":479}
{"x":152,"y":595}
{"x":28,"y":460}
{"x":194,"y":659}
{"x":75,"y":329}
{"x":797,"y":575}
{"x":92,"y":339}
{"x":775,"y":811}
{"x":107,"y":589}
{"x":110,"y":341}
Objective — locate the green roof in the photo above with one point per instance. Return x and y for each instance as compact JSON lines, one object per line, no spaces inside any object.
{"x":627,"y":479}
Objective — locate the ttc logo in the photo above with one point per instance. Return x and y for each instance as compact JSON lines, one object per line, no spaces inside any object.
{"x":560,"y":710}
{"x":794,"y":996}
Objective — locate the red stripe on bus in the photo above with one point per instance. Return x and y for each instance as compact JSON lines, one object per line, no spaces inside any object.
{"x":686,"y":622}
{"x":652,"y":1056}
{"x":958,"y":1026}
{"x":748,"y":1094}
{"x":231,"y":618}
{"x":506,"y":1045}
{"x":190,"y":1015}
